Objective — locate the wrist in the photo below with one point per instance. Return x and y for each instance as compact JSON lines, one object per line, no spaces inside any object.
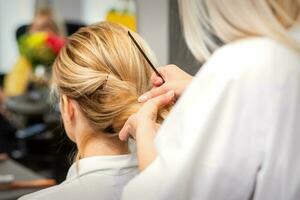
{"x":146,"y":151}
{"x":146,"y":127}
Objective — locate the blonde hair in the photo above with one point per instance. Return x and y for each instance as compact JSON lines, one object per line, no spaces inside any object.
{"x":105,"y":73}
{"x":206,"y":21}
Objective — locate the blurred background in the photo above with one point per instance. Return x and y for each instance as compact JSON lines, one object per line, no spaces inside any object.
{"x":34,"y":151}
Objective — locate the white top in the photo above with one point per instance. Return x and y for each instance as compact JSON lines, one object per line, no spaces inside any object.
{"x":98,"y":177}
{"x":235,"y":133}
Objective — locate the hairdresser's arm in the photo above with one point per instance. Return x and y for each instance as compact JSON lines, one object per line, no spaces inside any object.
{"x":175,"y":79}
{"x":143,"y":127}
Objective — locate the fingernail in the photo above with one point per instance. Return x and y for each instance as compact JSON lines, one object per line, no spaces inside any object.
{"x":143,"y":98}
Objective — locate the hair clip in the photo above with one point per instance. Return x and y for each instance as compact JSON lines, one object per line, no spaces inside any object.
{"x":106,"y":79}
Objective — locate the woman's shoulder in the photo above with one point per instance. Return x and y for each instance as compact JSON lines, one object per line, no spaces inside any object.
{"x":256,"y":50}
{"x":254,"y":46}
{"x":96,"y":177}
{"x":76,"y":189}
{"x":253,"y":56}
{"x":54,"y":192}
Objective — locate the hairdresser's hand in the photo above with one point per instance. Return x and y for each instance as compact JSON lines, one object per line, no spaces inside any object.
{"x":142,"y":127}
{"x":176,"y":80}
{"x":145,"y":118}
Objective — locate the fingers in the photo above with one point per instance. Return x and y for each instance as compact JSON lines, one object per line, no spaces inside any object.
{"x":160,"y":101}
{"x":150,"y":108}
{"x":165,"y":71}
{"x":154,"y":92}
{"x":125,"y":132}
{"x":147,"y":114}
{"x":156,"y":80}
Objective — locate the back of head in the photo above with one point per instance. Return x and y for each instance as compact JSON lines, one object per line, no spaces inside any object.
{"x":104,"y":72}
{"x":206,"y":21}
{"x":46,"y":20}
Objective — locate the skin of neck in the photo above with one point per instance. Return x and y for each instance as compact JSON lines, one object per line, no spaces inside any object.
{"x":94,"y":143}
{"x":89,"y":141}
{"x":98,"y":144}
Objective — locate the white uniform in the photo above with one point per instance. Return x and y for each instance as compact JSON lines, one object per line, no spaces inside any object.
{"x":98,"y":177}
{"x":235,"y":132}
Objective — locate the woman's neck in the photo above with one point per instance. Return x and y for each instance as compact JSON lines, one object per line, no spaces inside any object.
{"x":102,"y":146}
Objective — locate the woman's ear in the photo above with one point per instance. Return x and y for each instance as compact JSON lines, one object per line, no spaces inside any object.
{"x":67,"y":108}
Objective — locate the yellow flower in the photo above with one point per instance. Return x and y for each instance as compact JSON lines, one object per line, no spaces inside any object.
{"x":36,"y":40}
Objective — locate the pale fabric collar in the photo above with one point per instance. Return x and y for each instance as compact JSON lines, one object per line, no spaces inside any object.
{"x":295,"y":32}
{"x":109,"y":165}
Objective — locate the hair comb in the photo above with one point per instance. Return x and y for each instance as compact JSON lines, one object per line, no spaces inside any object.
{"x":145,"y":56}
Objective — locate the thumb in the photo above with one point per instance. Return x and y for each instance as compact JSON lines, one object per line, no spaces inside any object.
{"x":125,"y":132}
{"x":155,"y":80}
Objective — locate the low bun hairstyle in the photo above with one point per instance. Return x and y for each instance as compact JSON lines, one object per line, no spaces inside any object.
{"x":104,"y":72}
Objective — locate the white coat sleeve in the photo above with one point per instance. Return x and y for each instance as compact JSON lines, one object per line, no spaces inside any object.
{"x":213,"y":143}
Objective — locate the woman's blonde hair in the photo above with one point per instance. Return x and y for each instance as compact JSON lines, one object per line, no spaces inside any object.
{"x":207,"y":21}
{"x":104,"y":72}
